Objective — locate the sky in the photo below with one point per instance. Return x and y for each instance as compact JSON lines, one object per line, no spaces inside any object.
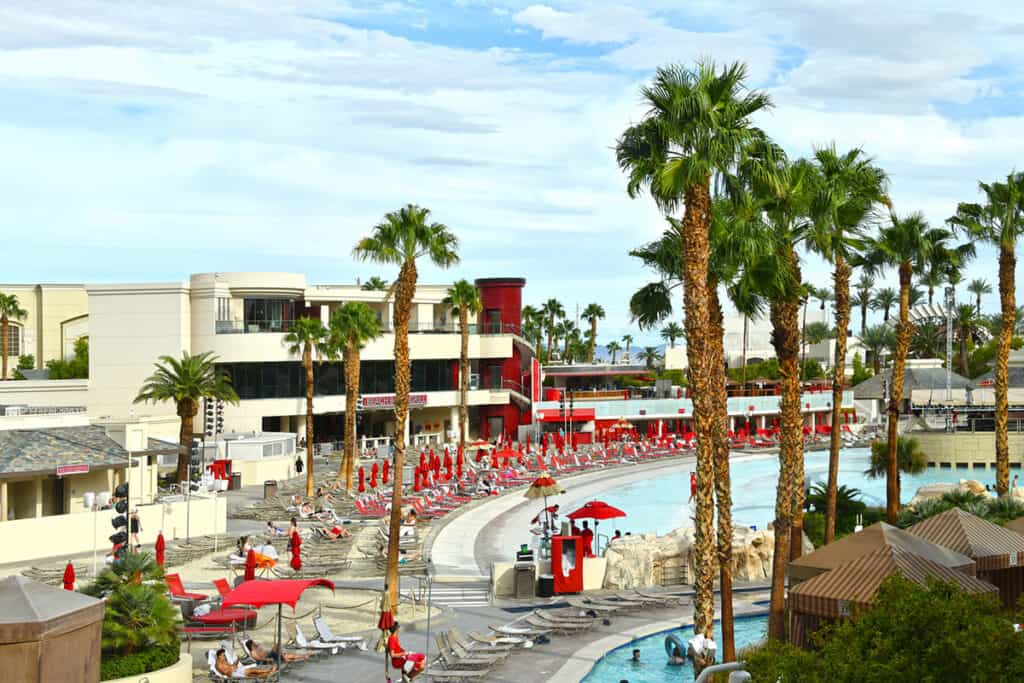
{"x":147,"y":141}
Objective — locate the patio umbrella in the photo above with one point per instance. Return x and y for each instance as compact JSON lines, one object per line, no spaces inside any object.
{"x":296,"y":562}
{"x":494,"y":460}
{"x":448,"y":462}
{"x":385,"y":470}
{"x":280,"y":592}
{"x":69,"y":577}
{"x":527,"y":442}
{"x":160,"y":548}
{"x":416,"y":485}
{"x":423,"y":460}
{"x":373,"y":475}
{"x":362,"y":483}
{"x":385,"y":621}
{"x":596,"y":510}
{"x":458,"y":467}
{"x":542,"y":487}
{"x":250,"y":565}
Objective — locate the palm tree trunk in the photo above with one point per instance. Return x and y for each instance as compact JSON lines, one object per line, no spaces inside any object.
{"x":723,"y":486}
{"x":187,"y":409}
{"x":785,"y":341}
{"x":746,"y":330}
{"x":700,"y":355}
{"x":351,"y":400}
{"x":4,"y":340}
{"x":863,"y":317}
{"x":1008,"y":305}
{"x":593,"y":339}
{"x":565,"y":352}
{"x":931,"y":294}
{"x":842,"y":313}
{"x":551,"y":326}
{"x":463,"y":378}
{"x":307,"y":363}
{"x":899,"y":361}
{"x":963,"y":353}
{"x":977,"y":306}
{"x":787,"y":316}
{"x":403,"y":307}
{"x":803,"y":340}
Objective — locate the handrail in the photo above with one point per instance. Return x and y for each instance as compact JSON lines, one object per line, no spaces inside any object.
{"x":707,"y":673}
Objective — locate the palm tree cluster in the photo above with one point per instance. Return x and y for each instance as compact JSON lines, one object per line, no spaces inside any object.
{"x":740,"y":217}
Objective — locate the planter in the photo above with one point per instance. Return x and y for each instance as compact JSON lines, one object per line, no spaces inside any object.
{"x":179,"y":672}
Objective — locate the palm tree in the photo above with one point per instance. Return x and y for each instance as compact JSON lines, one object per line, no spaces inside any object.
{"x":552,"y":310}
{"x":375,"y":284}
{"x":352,"y":325}
{"x":927,"y":341}
{"x":910,"y":459}
{"x":464,"y":298}
{"x":884,"y":299}
{"x":863,"y":298}
{"x":915,"y":297}
{"x":627,"y":339}
{"x":818,"y":332}
{"x":533,"y":326}
{"x":930,"y":279}
{"x":10,"y":308}
{"x":877,"y":340}
{"x":307,"y":338}
{"x":906,"y":244}
{"x":613,"y":348}
{"x":651,"y":357}
{"x":966,"y":325}
{"x":978,"y":288}
{"x":399,"y":240}
{"x":186,"y":381}
{"x":850,"y":188}
{"x":670,"y":333}
{"x":697,"y":122}
{"x":592,"y":313}
{"x":569,"y":330}
{"x":1000,"y":221}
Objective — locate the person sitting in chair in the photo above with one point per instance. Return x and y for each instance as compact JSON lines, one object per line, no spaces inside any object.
{"x":236,"y":670}
{"x":264,"y":656}
{"x":411,"y":664}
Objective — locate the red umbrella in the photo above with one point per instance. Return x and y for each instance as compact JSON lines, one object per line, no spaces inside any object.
{"x":527,"y":442}
{"x":160,"y":548}
{"x":69,"y":577}
{"x":385,"y":471}
{"x":494,"y":460}
{"x":458,"y":467}
{"x":384,"y":623}
{"x":416,"y":485}
{"x":596,"y":510}
{"x":362,"y":483}
{"x":296,"y":562}
{"x":423,"y":460}
{"x":373,"y":476}
{"x":448,"y":462}
{"x":250,"y":565}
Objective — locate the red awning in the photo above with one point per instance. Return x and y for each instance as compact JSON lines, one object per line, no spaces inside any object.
{"x":279,"y":592}
{"x":597,"y":509}
{"x":578,"y":415}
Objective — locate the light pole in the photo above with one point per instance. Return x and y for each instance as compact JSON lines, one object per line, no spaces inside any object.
{"x":950,"y":303}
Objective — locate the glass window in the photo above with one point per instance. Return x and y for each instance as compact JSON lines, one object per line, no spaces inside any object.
{"x":223,"y":309}
{"x":269,"y":315}
{"x":13,"y":340}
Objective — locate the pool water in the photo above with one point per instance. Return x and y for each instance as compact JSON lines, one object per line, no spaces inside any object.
{"x":653,"y":668}
{"x":659,"y":505}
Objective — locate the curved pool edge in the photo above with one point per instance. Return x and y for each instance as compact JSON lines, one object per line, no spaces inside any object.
{"x":590,"y":655}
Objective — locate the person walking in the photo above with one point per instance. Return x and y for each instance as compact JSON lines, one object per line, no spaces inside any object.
{"x":135,"y":527}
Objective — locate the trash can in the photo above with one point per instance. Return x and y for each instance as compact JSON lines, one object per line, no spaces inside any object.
{"x":525,"y":580}
{"x":236,"y":481}
{"x":545,"y":586}
{"x":269,"y":489}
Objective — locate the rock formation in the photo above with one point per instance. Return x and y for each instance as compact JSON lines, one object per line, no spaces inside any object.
{"x":937,"y":490}
{"x":647,"y":560}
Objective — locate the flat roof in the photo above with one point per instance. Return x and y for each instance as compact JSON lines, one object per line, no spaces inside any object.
{"x":594,"y":370}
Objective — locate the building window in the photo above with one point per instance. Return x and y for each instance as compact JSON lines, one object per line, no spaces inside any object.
{"x":13,"y":340}
{"x":223,"y":309}
{"x":269,"y":315}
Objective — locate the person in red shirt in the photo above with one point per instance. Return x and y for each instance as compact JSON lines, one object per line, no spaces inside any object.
{"x":411,"y":664}
{"x":693,"y":485}
{"x":588,"y":540}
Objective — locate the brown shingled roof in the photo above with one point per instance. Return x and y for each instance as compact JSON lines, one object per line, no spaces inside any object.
{"x":990,"y":546}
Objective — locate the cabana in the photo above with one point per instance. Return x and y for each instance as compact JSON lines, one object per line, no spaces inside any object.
{"x":837,"y":594}
{"x":47,"y":633}
{"x":879,"y":535}
{"x":998,"y":553}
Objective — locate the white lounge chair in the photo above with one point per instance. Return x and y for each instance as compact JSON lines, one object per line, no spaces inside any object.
{"x":325,"y":636}
{"x":301,"y":641}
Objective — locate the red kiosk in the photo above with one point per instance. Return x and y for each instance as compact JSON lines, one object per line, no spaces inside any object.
{"x":567,"y":563}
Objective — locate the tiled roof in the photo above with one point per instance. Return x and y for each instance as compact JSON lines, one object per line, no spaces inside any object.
{"x":25,"y":451}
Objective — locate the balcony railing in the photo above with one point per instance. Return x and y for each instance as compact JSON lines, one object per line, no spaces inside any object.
{"x":252,"y":326}
{"x":683,"y":407}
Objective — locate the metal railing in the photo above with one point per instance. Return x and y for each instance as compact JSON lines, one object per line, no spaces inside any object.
{"x":17,"y":411}
{"x":429,"y":327}
{"x":253,"y":326}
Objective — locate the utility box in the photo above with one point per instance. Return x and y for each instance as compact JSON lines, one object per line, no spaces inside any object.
{"x":526,"y":580}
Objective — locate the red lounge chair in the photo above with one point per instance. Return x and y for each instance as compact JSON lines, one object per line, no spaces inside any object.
{"x":178,"y":591}
{"x":222,"y":586}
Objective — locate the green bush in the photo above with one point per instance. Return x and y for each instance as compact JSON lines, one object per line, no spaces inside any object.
{"x":912,"y":633}
{"x":996,"y":510}
{"x":76,"y":368}
{"x":142,"y":662}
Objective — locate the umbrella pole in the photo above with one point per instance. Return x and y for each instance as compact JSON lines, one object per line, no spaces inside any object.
{"x":280,"y":651}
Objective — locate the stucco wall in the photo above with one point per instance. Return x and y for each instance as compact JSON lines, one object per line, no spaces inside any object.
{"x":179,"y":672}
{"x":50,"y":392}
{"x":967,"y":448}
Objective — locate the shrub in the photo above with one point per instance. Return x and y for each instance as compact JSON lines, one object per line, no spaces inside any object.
{"x":150,"y":659}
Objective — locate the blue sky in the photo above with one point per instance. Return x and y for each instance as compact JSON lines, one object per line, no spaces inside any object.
{"x":148,"y":143}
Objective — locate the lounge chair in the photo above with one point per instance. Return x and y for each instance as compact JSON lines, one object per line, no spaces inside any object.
{"x":437,"y":674}
{"x":584,"y":604}
{"x":497,"y":641}
{"x":496,"y":656}
{"x":615,"y":602}
{"x":558,"y":627}
{"x":325,"y":636}
{"x":452,"y":661}
{"x":211,"y":660}
{"x":456,"y":637}
{"x":666,"y":600}
{"x":521,"y":631}
{"x":550,"y":616}
{"x":177,"y":589}
{"x":300,"y":640}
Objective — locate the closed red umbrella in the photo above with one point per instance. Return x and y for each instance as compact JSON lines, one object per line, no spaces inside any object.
{"x":494,"y":460}
{"x":417,"y":480}
{"x":69,"y":577}
{"x":250,"y":565}
{"x":527,"y":443}
{"x":296,"y":562}
{"x":160,"y":548}
{"x":385,"y":471}
{"x":362,"y":477}
{"x":423,"y":460}
{"x":458,"y":467}
{"x":373,"y":476}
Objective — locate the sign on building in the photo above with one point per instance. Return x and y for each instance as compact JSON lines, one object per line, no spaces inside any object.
{"x":65,"y":470}
{"x":387,"y":401}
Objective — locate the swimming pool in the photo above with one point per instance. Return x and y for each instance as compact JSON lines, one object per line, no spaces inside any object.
{"x":658,"y":505}
{"x":653,"y":668}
